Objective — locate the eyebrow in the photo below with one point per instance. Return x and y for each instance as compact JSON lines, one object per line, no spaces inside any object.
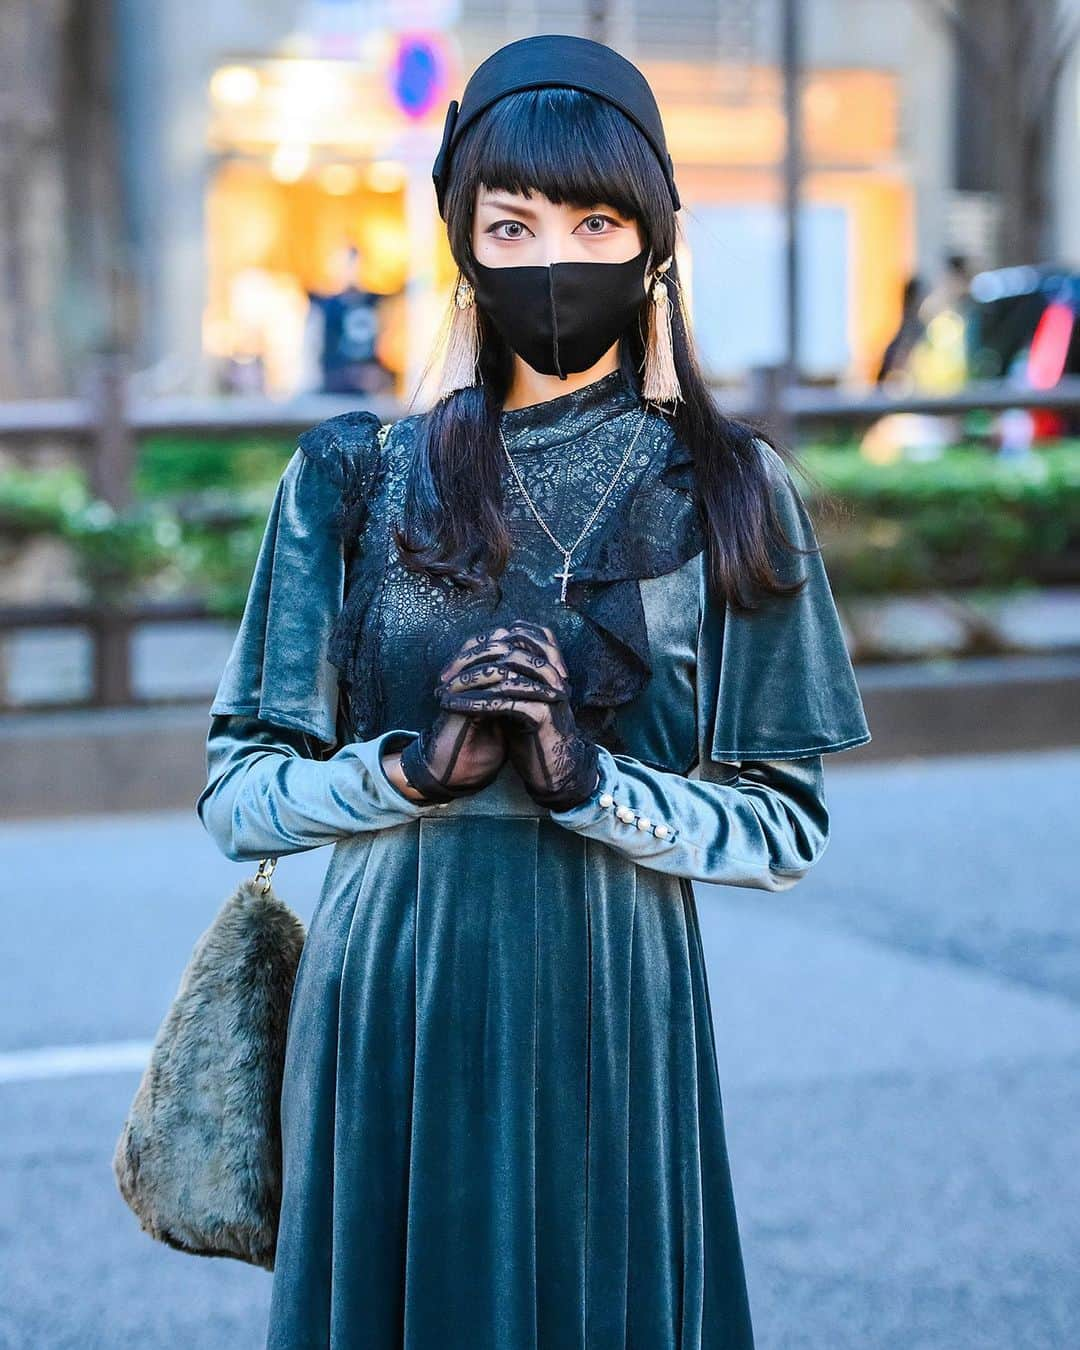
{"x":504,"y":204}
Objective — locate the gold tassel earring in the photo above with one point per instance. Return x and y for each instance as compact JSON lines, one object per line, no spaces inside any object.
{"x":660,"y":383}
{"x":462,"y":342}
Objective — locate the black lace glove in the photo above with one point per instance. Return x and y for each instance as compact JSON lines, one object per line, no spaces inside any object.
{"x":459,"y":752}
{"x":518,"y":674}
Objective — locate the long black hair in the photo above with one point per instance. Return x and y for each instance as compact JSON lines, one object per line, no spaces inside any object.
{"x":574,"y":147}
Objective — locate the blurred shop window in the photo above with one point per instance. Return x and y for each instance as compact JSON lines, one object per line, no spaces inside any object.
{"x":256,"y":344}
{"x":738,"y":293}
{"x":284,"y":274}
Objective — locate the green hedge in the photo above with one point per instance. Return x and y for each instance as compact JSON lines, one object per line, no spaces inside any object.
{"x":967,"y":519}
{"x":172,"y":465}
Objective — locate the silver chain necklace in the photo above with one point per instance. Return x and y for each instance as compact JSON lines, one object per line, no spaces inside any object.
{"x":567,"y":553}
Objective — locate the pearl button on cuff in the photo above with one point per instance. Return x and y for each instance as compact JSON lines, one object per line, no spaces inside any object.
{"x":628,"y":815}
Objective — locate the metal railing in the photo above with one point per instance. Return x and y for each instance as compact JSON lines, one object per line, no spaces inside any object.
{"x":105,"y":425}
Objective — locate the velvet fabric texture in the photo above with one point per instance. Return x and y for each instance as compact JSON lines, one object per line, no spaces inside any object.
{"x":501,"y":1117}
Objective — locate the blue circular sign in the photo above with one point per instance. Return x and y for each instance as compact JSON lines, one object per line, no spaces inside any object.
{"x":418,"y":74}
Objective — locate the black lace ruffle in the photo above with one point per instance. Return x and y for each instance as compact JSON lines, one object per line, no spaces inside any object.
{"x":652,"y":530}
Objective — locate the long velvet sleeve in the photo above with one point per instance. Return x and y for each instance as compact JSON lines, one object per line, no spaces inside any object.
{"x":774,"y":691}
{"x":268,"y":795}
{"x":764,"y":826}
{"x":283,"y":772}
{"x":279,"y":667}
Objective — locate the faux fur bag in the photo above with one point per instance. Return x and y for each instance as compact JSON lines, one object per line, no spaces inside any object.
{"x":199,"y":1157}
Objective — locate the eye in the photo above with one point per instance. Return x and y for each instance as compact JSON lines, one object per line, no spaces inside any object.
{"x":600,"y":219}
{"x":514,"y":224}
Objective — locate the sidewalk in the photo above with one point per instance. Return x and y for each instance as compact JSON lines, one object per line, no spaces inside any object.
{"x":898,"y":1040}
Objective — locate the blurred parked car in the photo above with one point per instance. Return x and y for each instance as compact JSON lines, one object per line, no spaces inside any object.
{"x":1014,"y":324}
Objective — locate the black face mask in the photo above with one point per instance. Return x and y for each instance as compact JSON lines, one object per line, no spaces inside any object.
{"x":562,"y":318}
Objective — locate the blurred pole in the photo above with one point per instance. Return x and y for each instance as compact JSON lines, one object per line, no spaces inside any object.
{"x":596,"y":20}
{"x":793,"y":167}
{"x":111,"y":470}
{"x":418,"y":149}
{"x":113,"y":462}
{"x":765,"y":388}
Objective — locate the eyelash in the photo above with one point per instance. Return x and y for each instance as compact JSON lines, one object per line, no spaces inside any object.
{"x":596,"y":215}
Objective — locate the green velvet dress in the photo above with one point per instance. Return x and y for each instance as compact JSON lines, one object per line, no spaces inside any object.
{"x":501,"y":1117}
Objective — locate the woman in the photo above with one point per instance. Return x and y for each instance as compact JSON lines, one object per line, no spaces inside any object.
{"x":484,"y":648}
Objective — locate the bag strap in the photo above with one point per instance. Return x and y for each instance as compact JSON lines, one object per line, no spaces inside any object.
{"x":265,"y":872}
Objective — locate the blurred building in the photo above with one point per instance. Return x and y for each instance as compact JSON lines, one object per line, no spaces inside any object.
{"x":256,"y":142}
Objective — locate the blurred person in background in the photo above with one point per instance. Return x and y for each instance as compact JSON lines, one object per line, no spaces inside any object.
{"x":912,"y":327}
{"x":951,"y":292}
{"x":344,"y":327}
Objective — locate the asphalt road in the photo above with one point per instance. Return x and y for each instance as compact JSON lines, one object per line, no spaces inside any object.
{"x":899,"y":1039}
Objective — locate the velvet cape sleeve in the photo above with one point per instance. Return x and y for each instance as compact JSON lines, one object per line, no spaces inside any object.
{"x":775,"y":691}
{"x":282,"y":775}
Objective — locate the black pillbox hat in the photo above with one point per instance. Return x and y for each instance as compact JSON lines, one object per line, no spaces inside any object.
{"x":559,"y":60}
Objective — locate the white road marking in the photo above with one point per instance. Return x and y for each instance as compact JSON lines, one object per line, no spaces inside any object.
{"x":66,"y":1061}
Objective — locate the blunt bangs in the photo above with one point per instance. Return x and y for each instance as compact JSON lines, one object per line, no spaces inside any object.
{"x":572,"y":147}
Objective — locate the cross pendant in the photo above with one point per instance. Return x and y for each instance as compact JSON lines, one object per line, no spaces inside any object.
{"x":565,"y":574}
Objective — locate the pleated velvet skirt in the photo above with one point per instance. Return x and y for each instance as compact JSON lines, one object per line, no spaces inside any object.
{"x":501,"y":1117}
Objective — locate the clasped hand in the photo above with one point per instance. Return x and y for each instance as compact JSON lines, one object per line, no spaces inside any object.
{"x":517,"y":675}
{"x":504,"y":694}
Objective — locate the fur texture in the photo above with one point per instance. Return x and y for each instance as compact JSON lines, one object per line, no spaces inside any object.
{"x":199,"y":1157}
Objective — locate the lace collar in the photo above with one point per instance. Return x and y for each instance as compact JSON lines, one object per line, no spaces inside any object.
{"x":568,"y":417}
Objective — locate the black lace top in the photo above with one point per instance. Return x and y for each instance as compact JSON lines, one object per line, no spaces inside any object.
{"x":396,"y":629}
